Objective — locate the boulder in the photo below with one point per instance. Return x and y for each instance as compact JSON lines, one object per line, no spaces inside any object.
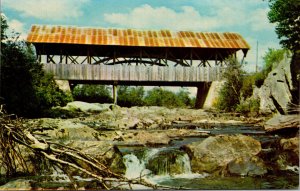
{"x":103,"y":151}
{"x":213,"y":154}
{"x":275,"y":94}
{"x":147,"y":138}
{"x":68,"y":130}
{"x":288,"y":157}
{"x":291,"y":145}
{"x":247,"y":166}
{"x":281,"y":154}
{"x":280,"y":122}
{"x":87,"y":107}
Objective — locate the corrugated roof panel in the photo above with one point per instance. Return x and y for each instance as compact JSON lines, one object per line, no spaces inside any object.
{"x":201,"y":42}
{"x":222,"y":45}
{"x":192,"y":42}
{"x":130,"y":37}
{"x":179,"y":34}
{"x":156,"y":42}
{"x":206,"y":42}
{"x":226,"y":36}
{"x":166,"y":42}
{"x":181,"y":42}
{"x":197,"y":42}
{"x":176,"y":42}
{"x":217,"y":42}
{"x":160,"y":41}
{"x":147,"y":43}
{"x":192,"y":35}
{"x":236,"y":44}
{"x":198,"y":36}
{"x":172,"y":43}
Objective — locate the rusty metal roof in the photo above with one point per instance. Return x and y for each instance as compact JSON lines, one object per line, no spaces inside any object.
{"x":130,"y":37}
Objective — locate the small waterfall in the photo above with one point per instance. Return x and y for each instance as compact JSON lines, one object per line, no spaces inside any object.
{"x":134,"y":167}
{"x":185,"y":163}
{"x":157,"y":162}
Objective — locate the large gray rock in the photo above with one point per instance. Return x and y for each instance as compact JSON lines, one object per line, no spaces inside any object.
{"x":274,"y":94}
{"x":287,"y":157}
{"x":147,"y":117}
{"x":291,"y":145}
{"x":104,"y":152}
{"x":214,"y":153}
{"x":87,"y":107}
{"x":279,"y":122}
{"x":151,"y":138}
{"x":247,"y":166}
{"x":59,"y":130}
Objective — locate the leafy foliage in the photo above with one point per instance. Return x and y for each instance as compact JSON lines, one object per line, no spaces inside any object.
{"x":229,"y":95}
{"x":130,"y":96}
{"x":25,"y":89}
{"x":184,"y":96}
{"x":248,"y":106}
{"x":272,"y":58}
{"x":285,"y":13}
{"x":92,"y":93}
{"x":166,"y":98}
{"x":238,"y":88}
{"x":133,"y":96}
{"x":4,"y":27}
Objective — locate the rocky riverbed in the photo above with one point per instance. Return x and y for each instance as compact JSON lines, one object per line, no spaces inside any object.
{"x":217,"y":145}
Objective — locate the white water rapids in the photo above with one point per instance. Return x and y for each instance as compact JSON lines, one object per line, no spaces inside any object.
{"x":136,"y":168}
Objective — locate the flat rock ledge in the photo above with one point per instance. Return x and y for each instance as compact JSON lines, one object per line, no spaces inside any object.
{"x":279,"y":122}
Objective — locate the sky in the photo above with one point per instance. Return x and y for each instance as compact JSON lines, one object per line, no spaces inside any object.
{"x":246,"y":17}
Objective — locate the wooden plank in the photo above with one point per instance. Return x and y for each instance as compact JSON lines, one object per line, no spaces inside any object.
{"x":135,"y":73}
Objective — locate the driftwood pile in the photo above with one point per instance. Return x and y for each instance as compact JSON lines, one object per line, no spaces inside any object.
{"x":13,"y":134}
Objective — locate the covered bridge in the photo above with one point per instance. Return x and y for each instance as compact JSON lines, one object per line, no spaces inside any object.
{"x":134,"y":57}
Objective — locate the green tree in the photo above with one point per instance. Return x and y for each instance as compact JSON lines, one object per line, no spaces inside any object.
{"x":183,"y":96}
{"x":130,"y":96}
{"x":161,"y":97}
{"x":4,"y":27}
{"x":92,"y":93}
{"x":230,"y":93}
{"x":285,"y":13}
{"x":272,"y":58}
{"x":25,"y":89}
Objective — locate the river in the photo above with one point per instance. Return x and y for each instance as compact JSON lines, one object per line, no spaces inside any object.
{"x":156,"y":163}
{"x":169,"y":165}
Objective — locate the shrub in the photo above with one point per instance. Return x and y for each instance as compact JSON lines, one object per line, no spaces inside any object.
{"x":272,"y":58}
{"x":248,"y":106}
{"x":183,"y":96}
{"x":92,"y":93}
{"x":161,"y":97}
{"x":247,"y":85}
{"x":130,"y":96}
{"x":48,"y":94}
{"x":229,"y":95}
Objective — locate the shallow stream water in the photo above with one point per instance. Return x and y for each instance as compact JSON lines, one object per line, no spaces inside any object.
{"x":138,"y":162}
{"x":159,"y":164}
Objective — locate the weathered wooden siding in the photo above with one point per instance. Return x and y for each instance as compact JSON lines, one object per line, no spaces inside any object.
{"x":133,"y":73}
